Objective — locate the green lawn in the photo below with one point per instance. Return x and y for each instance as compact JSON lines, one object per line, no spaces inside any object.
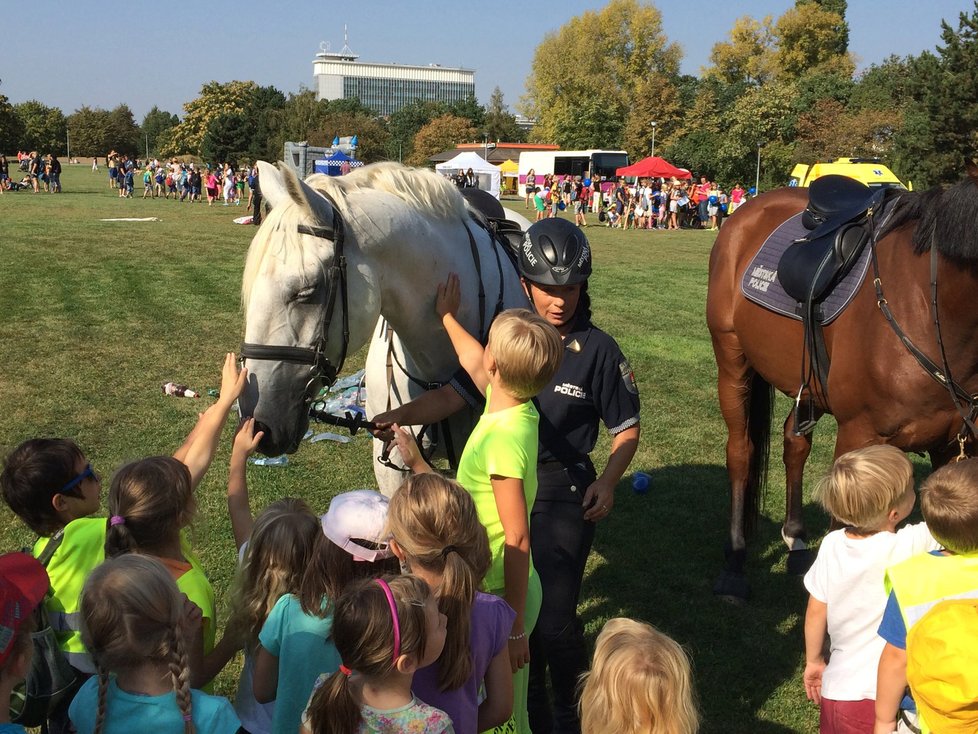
{"x":97,"y":315}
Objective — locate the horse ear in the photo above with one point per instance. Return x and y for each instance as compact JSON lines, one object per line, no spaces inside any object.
{"x":272,"y":184}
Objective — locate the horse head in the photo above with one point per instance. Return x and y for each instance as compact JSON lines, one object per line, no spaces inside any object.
{"x":303,"y":275}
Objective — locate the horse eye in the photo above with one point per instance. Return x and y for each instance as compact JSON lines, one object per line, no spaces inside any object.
{"x":305,"y":294}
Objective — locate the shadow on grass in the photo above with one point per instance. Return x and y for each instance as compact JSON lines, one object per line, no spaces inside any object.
{"x":661,"y":554}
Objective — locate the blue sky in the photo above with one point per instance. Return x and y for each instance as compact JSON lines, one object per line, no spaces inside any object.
{"x":104,"y":52}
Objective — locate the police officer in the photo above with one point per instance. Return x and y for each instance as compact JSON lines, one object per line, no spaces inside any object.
{"x":594,"y":385}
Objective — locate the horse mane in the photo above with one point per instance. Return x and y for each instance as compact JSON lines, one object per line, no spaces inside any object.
{"x":945,"y":217}
{"x":419,"y":188}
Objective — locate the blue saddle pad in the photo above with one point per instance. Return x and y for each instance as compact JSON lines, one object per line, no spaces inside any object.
{"x":760,"y":283}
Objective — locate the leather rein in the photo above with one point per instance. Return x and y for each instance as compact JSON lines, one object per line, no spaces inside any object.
{"x":964,"y":402}
{"x":321,"y":367}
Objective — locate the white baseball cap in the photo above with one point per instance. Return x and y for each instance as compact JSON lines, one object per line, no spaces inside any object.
{"x":356,"y":521}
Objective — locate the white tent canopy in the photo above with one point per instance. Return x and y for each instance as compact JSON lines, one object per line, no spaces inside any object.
{"x":487,"y":174}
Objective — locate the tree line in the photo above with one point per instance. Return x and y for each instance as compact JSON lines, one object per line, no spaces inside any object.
{"x":782,"y":90}
{"x":241,"y":121}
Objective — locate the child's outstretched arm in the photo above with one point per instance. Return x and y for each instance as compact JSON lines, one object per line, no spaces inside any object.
{"x":816,"y":628}
{"x":466,"y":346}
{"x":207,"y":433}
{"x":239,"y":506}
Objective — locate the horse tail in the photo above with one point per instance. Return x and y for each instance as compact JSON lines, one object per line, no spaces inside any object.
{"x":759,"y":417}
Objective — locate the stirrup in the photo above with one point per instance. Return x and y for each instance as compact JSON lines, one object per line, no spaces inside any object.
{"x":804,"y":424}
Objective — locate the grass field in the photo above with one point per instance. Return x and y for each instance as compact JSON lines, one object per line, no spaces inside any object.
{"x":97,"y":315}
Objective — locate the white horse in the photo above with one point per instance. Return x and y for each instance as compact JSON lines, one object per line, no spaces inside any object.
{"x":336,"y":259}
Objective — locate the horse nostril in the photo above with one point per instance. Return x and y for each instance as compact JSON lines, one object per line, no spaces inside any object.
{"x":261,"y":427}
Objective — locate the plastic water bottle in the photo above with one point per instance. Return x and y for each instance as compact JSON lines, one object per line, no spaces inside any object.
{"x":179,"y":391}
{"x":346,"y":382}
{"x":282,"y":460}
{"x":327,"y":436}
{"x":641,"y":482}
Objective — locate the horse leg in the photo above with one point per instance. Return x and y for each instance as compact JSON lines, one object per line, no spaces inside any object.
{"x":742,"y":396}
{"x":796,"y":451}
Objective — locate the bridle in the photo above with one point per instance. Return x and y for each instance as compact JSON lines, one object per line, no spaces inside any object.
{"x":321,"y":367}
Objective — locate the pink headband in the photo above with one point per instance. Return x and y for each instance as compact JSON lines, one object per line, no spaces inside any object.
{"x":397,"y":625}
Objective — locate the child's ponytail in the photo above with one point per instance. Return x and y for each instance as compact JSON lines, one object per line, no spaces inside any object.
{"x":333,"y":709}
{"x":149,"y":501}
{"x":435,"y":522}
{"x":370,"y":640}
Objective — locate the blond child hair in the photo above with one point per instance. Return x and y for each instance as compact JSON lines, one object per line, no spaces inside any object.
{"x":640,"y":683}
{"x":527,"y":351}
{"x":131,"y":616}
{"x":434,"y":521}
{"x":864,"y":485}
{"x":949,"y":502}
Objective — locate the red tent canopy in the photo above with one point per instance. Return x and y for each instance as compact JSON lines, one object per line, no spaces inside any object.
{"x":654,"y":167}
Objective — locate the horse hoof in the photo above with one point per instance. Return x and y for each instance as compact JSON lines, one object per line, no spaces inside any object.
{"x":799,"y":561}
{"x":732,"y":588}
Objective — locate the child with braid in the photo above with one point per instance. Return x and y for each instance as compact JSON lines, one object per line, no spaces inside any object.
{"x":133,"y":622}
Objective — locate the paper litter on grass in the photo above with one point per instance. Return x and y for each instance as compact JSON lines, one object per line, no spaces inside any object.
{"x":132,"y":219}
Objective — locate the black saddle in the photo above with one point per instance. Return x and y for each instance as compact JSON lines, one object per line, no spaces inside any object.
{"x":837,"y":216}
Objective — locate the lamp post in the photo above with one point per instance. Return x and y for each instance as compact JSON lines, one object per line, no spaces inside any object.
{"x":485,"y":147}
{"x":654,"y":123}
{"x":757,"y":176}
{"x":147,"y":145}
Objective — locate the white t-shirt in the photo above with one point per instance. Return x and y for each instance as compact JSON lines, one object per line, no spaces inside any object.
{"x":848,"y":577}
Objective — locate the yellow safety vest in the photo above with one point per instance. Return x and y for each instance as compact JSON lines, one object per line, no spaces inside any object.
{"x":82,"y":549}
{"x":922,"y":582}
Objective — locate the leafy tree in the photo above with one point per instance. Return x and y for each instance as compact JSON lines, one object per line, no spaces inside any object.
{"x":43,"y":128}
{"x":404,"y":125}
{"x":470,"y":109}
{"x":838,"y":7}
{"x":215,"y":99}
{"x":596,"y":58}
{"x":500,"y":124}
{"x":829,"y":130}
{"x":809,"y":38}
{"x":748,"y":56}
{"x":658,"y":100}
{"x":440,"y":134}
{"x":883,"y":86}
{"x":123,"y":132}
{"x":951,"y":99}
{"x":11,"y":129}
{"x":89,"y":130}
{"x":227,"y":138}
{"x":155,"y":124}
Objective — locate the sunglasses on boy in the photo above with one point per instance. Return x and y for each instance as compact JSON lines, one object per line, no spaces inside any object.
{"x":85,"y":473}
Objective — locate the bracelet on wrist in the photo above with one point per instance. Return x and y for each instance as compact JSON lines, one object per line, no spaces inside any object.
{"x":520,"y":636}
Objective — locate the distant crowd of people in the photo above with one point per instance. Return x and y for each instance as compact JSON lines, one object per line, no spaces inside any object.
{"x":39,"y":173}
{"x":645,"y":203}
{"x":218,"y":182}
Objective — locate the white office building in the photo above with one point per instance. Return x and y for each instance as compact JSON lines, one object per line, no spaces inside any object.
{"x":386,"y":88}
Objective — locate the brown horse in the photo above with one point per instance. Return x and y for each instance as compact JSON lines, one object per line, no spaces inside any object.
{"x":877,"y":391}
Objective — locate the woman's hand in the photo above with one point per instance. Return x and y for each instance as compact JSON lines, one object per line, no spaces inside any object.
{"x":598,"y":500}
{"x":519,"y":652}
